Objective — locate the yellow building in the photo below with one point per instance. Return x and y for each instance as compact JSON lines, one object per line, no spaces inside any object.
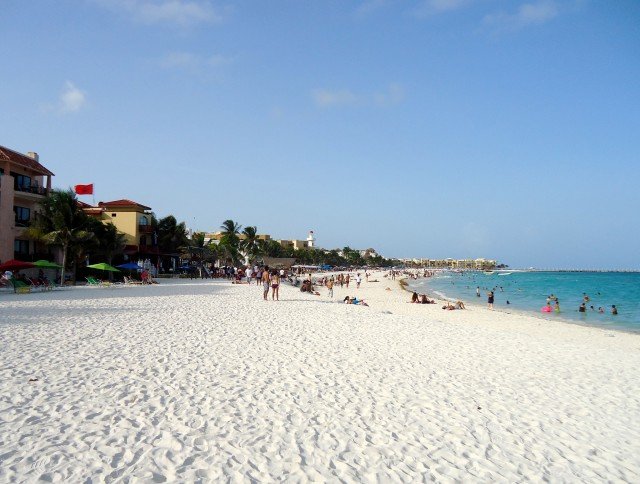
{"x":215,"y":237}
{"x":131,"y":218}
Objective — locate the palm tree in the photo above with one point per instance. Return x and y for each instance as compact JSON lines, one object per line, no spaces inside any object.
{"x":230,"y":239}
{"x":110,"y":242}
{"x":251,"y":244}
{"x":60,"y":223}
{"x":171,"y":234}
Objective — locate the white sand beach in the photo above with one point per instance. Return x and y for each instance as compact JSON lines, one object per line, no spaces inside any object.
{"x":204,"y":381}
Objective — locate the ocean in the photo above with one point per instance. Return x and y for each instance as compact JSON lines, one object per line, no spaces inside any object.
{"x":527,"y":291}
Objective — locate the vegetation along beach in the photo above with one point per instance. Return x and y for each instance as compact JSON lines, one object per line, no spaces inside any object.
{"x":348,"y":241}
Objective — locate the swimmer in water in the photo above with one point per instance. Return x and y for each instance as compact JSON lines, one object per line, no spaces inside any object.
{"x":614,"y":309}
{"x":556,"y":307}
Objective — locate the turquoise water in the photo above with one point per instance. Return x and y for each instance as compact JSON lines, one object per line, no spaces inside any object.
{"x":528,"y":291}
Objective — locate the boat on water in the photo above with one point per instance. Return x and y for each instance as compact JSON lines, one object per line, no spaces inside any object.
{"x":488,"y":272}
{"x":505,"y":273}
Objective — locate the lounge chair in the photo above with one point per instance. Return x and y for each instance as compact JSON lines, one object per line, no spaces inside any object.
{"x":20,"y":287}
{"x":92,"y":281}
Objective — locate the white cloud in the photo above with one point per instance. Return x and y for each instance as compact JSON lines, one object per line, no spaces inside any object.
{"x":527,"y":14}
{"x":188,"y":60}
{"x":326,"y":98}
{"x":72,"y":99}
{"x":432,"y":7}
{"x":178,"y":12}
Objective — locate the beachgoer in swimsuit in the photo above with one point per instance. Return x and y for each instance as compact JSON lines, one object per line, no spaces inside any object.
{"x":275,"y":285}
{"x":265,"y":282}
{"x":490,"y":299}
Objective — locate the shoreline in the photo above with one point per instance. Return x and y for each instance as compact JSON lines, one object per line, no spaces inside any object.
{"x":204,"y":380}
{"x":528,"y":314}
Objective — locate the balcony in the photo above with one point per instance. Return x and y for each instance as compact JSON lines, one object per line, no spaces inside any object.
{"x":31,"y":192}
{"x":145,"y":229}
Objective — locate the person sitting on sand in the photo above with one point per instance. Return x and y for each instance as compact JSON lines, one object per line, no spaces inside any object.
{"x":414,"y":297}
{"x":460,"y":305}
{"x":354,"y":300}
{"x":425,"y":300}
{"x":448,"y":306}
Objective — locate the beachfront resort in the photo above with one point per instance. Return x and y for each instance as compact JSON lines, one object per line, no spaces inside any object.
{"x":229,"y":371}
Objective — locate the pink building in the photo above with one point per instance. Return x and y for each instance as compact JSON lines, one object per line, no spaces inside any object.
{"x":24,"y":182}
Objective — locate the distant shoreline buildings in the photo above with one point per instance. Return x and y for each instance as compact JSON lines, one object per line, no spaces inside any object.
{"x":24,"y":183}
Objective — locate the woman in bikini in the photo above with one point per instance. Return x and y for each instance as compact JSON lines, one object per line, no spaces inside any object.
{"x":275,"y":285}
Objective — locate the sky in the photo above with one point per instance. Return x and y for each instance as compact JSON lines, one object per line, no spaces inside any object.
{"x":501,"y":129}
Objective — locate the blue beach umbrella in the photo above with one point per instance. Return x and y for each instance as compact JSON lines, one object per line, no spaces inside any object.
{"x":131,"y":266}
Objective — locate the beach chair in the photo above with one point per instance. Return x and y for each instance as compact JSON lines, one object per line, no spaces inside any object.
{"x":92,"y":281}
{"x":20,"y":287}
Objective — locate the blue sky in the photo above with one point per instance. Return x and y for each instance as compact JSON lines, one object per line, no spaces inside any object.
{"x":425,"y":128}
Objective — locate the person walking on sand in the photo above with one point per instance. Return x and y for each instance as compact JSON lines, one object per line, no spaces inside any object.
{"x":330,"y":287}
{"x":265,"y":282}
{"x":358,"y":280}
{"x":346,"y":281}
{"x":490,"y":299}
{"x":275,"y":285}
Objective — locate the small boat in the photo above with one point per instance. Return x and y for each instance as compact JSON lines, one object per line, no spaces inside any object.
{"x":504,"y":273}
{"x":488,"y":272}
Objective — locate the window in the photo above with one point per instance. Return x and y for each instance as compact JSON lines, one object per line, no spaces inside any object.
{"x":144,"y":221}
{"x":21,"y":182}
{"x":113,"y":214}
{"x":23,"y":215}
{"x":21,"y":247}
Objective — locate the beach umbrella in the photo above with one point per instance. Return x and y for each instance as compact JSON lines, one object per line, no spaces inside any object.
{"x":46,"y":264}
{"x":103,"y":267}
{"x":131,"y":266}
{"x":15,"y":265}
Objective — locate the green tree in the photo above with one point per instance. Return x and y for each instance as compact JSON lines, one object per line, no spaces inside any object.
{"x":251,"y":245}
{"x":61,"y":223}
{"x":171,"y":235}
{"x":230,"y":239}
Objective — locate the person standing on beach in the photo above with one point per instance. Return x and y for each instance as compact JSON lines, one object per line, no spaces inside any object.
{"x":478,"y":291}
{"x":265,"y":282}
{"x":275,"y":285}
{"x":330,"y":287}
{"x":358,"y":281}
{"x":346,"y":281}
{"x":490,"y":299}
{"x":249,"y":274}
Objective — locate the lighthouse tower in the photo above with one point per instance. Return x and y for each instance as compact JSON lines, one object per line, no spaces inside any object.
{"x":311,"y":240}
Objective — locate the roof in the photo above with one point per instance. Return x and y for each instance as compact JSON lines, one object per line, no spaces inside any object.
{"x":22,"y":160}
{"x":123,"y":203}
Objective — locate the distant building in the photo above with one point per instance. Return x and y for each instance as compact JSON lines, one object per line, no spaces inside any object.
{"x":132,"y":219}
{"x":215,"y":237}
{"x":24,"y":183}
{"x":470,"y":264}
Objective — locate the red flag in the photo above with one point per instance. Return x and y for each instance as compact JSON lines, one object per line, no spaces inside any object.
{"x":84,"y":189}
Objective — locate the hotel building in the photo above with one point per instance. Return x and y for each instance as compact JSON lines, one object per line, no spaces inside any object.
{"x":24,"y":182}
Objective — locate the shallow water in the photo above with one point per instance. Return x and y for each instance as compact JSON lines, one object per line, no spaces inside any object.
{"x":528,"y":291}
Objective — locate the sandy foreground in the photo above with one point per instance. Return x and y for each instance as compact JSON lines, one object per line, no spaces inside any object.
{"x":205,"y":381}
